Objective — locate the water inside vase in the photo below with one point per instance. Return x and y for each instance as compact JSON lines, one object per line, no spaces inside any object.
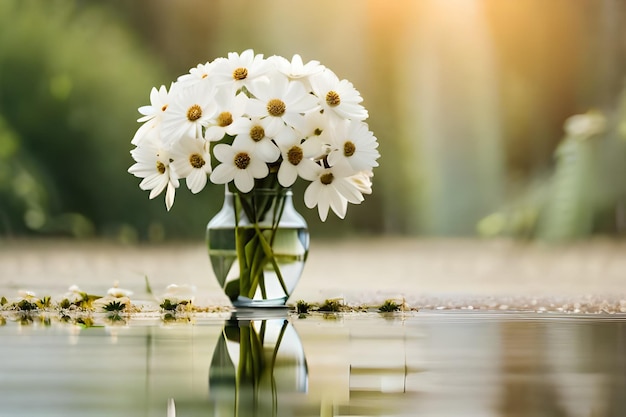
{"x":290,"y":248}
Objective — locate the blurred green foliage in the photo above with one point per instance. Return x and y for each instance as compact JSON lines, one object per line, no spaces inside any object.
{"x":583,"y":194}
{"x":467,"y":99}
{"x":71,"y":80}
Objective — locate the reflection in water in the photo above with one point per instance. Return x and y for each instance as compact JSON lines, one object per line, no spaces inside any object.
{"x":426,"y":364}
{"x":257,"y":364}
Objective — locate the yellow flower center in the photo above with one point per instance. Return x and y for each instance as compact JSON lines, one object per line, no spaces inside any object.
{"x":196,"y":160}
{"x":257,"y":133}
{"x":164,"y":107}
{"x":240,"y":74}
{"x":160,"y":166}
{"x":332,"y":98}
{"x":295,"y":155}
{"x":327,"y":178}
{"x":194,"y":113}
{"x":224,"y":119}
{"x":349,"y":148}
{"x":276,"y":107}
{"x":242,"y":160}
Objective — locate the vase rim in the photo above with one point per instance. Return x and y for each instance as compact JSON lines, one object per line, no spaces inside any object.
{"x":285,"y":190}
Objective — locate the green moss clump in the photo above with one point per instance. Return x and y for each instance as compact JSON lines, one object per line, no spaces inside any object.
{"x":332,"y":306}
{"x":302,"y":307}
{"x":389,"y":306}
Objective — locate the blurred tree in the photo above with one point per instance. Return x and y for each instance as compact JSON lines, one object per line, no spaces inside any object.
{"x":467,"y":98}
{"x":72,"y":77}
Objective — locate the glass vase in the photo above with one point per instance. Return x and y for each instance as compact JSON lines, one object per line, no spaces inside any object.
{"x":257,"y":367}
{"x":258,"y":244}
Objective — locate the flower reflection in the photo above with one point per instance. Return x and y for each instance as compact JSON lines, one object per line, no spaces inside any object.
{"x":255,"y":366}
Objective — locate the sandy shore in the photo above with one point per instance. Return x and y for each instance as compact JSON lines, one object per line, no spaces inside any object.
{"x":426,"y":273}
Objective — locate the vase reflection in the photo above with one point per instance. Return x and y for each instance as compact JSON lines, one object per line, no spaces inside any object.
{"x":257,"y":367}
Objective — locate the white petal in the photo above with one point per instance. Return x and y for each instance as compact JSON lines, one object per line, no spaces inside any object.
{"x":349,"y":191}
{"x":223,"y":152}
{"x":196,"y":181}
{"x":152,"y":181}
{"x":244,"y":180}
{"x":311,"y":194}
{"x":308,"y":169}
{"x":267,"y":151}
{"x":338,"y":203}
{"x":258,"y":168}
{"x":287,"y":174}
{"x":223,"y":173}
{"x":323,"y":206}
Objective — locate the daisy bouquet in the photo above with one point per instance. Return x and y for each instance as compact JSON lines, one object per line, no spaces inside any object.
{"x":257,"y":123}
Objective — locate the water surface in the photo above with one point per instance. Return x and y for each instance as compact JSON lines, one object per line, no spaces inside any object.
{"x":361,"y":364}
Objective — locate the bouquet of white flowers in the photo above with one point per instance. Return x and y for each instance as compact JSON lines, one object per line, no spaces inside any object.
{"x":257,"y":124}
{"x":259,"y":119}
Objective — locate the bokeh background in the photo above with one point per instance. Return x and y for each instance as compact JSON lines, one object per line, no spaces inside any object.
{"x":474,"y":104}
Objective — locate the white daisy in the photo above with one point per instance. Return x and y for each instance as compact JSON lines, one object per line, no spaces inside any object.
{"x":192,"y":162}
{"x":296,"y":69}
{"x":354,"y":143}
{"x":298,"y":160}
{"x":153,"y":165}
{"x":177,"y":293}
{"x":281,"y":102}
{"x":251,"y":134}
{"x":230,"y":108}
{"x":196,"y":75}
{"x":314,"y":125}
{"x":338,"y":97}
{"x":362,"y":181}
{"x":152,"y":114}
{"x":238,"y":164}
{"x":191,"y":109}
{"x":238,"y":71}
{"x":332,"y":189}
{"x":117,"y":292}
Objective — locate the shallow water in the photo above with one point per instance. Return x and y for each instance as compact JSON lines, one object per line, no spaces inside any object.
{"x":361,"y":364}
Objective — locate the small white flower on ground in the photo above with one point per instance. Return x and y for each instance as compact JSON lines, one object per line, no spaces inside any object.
{"x":238,"y":164}
{"x":191,"y":109}
{"x":118,"y":292}
{"x":26,"y":295}
{"x":192,"y":162}
{"x":177,"y":293}
{"x":73,"y":294}
{"x":338,"y":97}
{"x":355,"y":144}
{"x":279,"y":101}
{"x":332,"y":189}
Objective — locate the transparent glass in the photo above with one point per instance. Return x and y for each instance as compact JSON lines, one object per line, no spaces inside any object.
{"x":256,"y":368}
{"x":261,"y":234}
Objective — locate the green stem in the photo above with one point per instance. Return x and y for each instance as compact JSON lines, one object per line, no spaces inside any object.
{"x":270,"y":254}
{"x":254,"y":252}
{"x":272,"y":364}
